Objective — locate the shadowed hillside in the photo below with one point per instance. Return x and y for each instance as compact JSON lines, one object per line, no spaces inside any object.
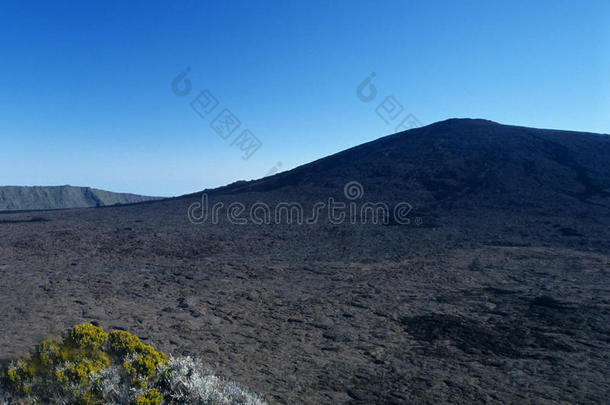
{"x":15,"y":198}
{"x":499,"y":183}
{"x":463,"y":163}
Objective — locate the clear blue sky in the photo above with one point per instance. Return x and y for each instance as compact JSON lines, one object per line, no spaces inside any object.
{"x":85,"y":87}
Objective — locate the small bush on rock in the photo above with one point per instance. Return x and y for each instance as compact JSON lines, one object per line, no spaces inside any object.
{"x":92,"y":367}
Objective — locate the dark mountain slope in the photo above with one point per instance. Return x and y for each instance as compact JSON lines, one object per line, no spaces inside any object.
{"x":14,"y":198}
{"x":462,"y":163}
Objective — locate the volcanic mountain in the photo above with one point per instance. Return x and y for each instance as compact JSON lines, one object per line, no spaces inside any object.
{"x":485,"y":178}
{"x":496,"y":291}
{"x":14,"y":198}
{"x":464,"y":162}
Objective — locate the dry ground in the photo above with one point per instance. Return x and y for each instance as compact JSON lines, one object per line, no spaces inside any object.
{"x":319,"y":314}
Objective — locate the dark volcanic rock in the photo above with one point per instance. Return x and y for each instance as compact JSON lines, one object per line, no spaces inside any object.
{"x":463,"y":163}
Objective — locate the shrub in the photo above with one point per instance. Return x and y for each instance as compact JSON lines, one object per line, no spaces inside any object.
{"x":186,"y":381}
{"x":92,"y":367}
{"x":87,"y":336}
{"x":152,"y":397}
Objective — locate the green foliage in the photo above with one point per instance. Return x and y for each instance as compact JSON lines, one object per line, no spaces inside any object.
{"x":122,"y":343}
{"x":71,"y":368}
{"x":87,"y":336}
{"x":141,"y":361}
{"x":152,"y":397}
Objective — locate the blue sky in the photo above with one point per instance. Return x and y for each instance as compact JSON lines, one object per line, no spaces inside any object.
{"x":86,"y":95}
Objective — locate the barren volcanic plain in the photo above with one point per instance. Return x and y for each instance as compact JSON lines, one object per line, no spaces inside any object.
{"x":497,"y":290}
